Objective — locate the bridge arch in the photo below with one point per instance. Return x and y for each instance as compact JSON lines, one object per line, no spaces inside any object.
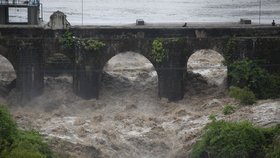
{"x":129,"y":70}
{"x":143,"y":54}
{"x":89,"y":67}
{"x":143,"y":47}
{"x":206,"y":65}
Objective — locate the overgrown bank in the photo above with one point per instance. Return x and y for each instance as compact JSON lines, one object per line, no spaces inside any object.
{"x":16,"y":143}
{"x":250,"y":76}
{"x":248,"y":81}
{"x":222,"y":139}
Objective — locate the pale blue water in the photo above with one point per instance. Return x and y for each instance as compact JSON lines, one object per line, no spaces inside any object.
{"x":127,"y":11}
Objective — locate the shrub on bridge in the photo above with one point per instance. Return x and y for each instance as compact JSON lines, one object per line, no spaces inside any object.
{"x":15,"y":143}
{"x":93,"y":45}
{"x":222,"y":139}
{"x":158,"y":51}
{"x":67,"y":40}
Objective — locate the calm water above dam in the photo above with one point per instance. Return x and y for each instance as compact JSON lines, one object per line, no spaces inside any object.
{"x":126,"y":11}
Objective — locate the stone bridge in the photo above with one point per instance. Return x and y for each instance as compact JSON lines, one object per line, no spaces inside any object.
{"x":28,"y":48}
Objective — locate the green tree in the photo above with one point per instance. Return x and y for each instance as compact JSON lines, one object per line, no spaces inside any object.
{"x":246,"y":73}
{"x":221,"y":139}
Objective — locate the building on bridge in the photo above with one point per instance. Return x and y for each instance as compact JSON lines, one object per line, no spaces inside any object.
{"x":20,"y":12}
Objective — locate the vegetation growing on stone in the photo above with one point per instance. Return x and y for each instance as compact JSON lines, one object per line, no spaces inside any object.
{"x":93,"y":45}
{"x":68,"y":41}
{"x":158,"y":51}
{"x":222,"y":139}
{"x":16,"y":143}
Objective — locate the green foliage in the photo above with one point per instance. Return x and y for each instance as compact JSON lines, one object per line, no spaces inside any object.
{"x":158,"y":51}
{"x":244,"y":95}
{"x":67,"y":40}
{"x":265,"y":85}
{"x":16,"y":143}
{"x":93,"y":45}
{"x":8,"y":128}
{"x":230,"y":47}
{"x":246,"y":73}
{"x":232,"y":139}
{"x":228,"y":109}
{"x":240,"y":72}
{"x":20,"y":152}
{"x":212,"y":118}
{"x":274,"y":150}
{"x":32,"y":140}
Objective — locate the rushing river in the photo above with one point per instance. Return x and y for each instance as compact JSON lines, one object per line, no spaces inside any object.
{"x":127,"y":11}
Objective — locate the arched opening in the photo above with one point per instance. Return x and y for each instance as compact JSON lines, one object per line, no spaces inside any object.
{"x":7,"y":76}
{"x":205,"y":70}
{"x":128,"y":75}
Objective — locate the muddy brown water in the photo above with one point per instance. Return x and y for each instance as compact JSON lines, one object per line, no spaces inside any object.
{"x":129,"y":120}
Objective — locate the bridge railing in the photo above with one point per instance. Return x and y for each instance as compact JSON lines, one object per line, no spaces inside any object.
{"x":20,"y":2}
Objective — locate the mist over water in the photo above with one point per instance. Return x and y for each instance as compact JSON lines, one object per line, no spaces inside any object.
{"x":127,"y":11}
